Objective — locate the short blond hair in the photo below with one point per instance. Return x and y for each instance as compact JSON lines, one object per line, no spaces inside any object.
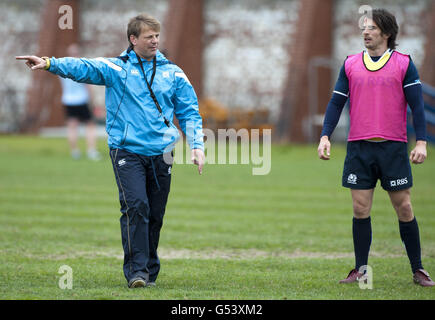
{"x":138,"y":23}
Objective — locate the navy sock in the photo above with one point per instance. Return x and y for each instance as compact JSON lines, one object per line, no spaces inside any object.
{"x":410,"y":236}
{"x":362,"y":239}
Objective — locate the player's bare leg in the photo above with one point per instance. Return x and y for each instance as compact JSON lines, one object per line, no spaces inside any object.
{"x":401,"y":201}
{"x":362,"y":201}
{"x":91,"y":140}
{"x":72,"y":127}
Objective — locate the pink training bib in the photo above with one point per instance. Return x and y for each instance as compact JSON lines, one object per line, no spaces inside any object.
{"x":376,"y":97}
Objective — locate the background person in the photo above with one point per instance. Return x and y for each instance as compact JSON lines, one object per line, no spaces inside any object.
{"x":76,"y":100}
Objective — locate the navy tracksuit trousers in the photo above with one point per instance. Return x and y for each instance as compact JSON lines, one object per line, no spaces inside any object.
{"x":143,"y":184}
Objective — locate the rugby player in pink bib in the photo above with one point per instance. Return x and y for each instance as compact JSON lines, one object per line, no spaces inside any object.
{"x":379,"y":83}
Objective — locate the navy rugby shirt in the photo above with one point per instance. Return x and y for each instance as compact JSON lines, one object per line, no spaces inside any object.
{"x":411,"y":88}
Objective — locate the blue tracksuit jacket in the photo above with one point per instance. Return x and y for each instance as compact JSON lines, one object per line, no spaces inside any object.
{"x":133,"y":122}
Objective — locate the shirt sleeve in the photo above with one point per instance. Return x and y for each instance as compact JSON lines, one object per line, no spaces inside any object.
{"x":414,"y":97}
{"x":411,"y":76}
{"x":187,"y":111}
{"x":342,"y":84}
{"x":99,"y":71}
{"x":336,"y":104}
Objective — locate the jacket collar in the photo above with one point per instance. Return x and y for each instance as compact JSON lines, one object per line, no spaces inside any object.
{"x":161,"y":59}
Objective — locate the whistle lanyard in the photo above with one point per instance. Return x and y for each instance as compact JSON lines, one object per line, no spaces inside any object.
{"x":149,"y":84}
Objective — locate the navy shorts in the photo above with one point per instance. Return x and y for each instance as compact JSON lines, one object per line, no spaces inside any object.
{"x":366,"y":162}
{"x":80,"y":112}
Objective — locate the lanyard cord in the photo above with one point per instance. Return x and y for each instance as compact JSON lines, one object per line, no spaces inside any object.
{"x":149,"y":84}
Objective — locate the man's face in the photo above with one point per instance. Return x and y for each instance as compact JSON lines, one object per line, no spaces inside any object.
{"x":373,"y":36}
{"x":147,"y":43}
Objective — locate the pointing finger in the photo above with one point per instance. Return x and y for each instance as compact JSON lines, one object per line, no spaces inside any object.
{"x":23,"y":57}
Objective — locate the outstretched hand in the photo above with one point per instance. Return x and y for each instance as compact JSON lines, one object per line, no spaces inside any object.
{"x":33,"y":62}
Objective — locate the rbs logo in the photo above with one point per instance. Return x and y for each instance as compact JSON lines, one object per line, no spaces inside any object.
{"x":398,"y":182}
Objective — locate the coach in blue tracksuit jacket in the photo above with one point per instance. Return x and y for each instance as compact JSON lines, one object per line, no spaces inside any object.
{"x":143,"y":92}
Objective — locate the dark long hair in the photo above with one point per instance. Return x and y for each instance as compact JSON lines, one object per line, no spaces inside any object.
{"x":386,"y":21}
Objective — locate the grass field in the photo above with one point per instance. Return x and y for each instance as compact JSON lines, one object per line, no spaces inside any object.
{"x":227,"y":234}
